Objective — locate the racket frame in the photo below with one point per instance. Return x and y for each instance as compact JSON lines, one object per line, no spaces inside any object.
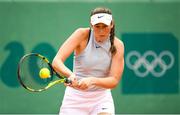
{"x":62,"y":79}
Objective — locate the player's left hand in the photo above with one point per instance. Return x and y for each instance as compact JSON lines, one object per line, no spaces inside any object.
{"x":85,"y":83}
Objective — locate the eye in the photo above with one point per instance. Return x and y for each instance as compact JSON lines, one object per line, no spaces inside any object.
{"x":104,"y":26}
{"x":100,"y":26}
{"x":97,"y":26}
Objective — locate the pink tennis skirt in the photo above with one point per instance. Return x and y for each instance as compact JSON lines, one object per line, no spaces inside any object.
{"x":78,"y":102}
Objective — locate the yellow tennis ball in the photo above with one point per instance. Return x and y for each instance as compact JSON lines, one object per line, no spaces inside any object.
{"x":44,"y":73}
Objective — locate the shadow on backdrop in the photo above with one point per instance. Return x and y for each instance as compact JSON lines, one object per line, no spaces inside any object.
{"x":49,"y":52}
{"x":8,"y":71}
{"x":46,"y":50}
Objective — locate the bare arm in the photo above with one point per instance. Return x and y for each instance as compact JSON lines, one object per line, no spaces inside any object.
{"x":66,"y":49}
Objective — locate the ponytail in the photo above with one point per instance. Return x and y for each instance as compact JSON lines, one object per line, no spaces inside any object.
{"x":112,"y":36}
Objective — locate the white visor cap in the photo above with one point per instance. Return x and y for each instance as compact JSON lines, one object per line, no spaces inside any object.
{"x":101,"y":18}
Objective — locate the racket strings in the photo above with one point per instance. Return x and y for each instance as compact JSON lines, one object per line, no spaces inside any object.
{"x":30,"y":67}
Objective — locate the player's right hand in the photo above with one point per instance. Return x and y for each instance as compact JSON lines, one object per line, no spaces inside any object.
{"x":74,"y":81}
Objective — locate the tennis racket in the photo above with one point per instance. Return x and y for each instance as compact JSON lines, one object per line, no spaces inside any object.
{"x":29,"y":67}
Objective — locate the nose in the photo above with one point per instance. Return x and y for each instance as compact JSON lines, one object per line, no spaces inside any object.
{"x":101,"y":30}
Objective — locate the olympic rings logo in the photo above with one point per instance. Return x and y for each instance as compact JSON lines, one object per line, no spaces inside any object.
{"x":134,"y":61}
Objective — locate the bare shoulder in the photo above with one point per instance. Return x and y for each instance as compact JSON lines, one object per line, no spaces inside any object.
{"x":119,"y":44}
{"x":81,"y":38}
{"x":119,"y":55}
{"x":82,"y":32}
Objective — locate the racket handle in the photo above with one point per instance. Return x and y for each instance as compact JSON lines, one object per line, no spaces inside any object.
{"x":68,"y":81}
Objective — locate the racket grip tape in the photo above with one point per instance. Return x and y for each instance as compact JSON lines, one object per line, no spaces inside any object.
{"x":68,"y":81}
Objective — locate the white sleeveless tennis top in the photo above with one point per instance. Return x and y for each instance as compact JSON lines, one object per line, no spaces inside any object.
{"x":94,"y":61}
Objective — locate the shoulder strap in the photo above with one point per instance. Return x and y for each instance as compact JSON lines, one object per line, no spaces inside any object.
{"x":89,"y":35}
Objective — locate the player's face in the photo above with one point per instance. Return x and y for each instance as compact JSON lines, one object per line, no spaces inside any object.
{"x":101,"y":31}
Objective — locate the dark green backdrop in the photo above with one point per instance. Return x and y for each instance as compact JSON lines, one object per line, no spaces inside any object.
{"x":43,"y":26}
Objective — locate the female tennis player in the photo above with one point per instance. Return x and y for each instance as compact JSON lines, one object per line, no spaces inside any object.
{"x":98,"y":66}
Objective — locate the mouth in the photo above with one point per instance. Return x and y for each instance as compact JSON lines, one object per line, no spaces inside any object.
{"x":100,"y":41}
{"x":101,"y":36}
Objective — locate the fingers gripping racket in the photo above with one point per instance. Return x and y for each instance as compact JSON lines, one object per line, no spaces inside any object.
{"x":29,"y":75}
